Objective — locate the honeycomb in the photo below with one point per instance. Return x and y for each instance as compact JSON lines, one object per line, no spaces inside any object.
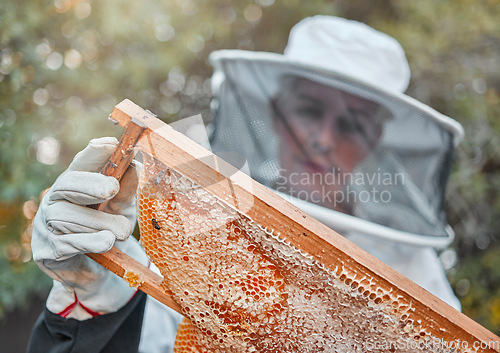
{"x":244,"y":289}
{"x":133,"y":279}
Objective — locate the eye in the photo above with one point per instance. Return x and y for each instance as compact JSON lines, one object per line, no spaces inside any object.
{"x":347,"y":125}
{"x":309,"y":112}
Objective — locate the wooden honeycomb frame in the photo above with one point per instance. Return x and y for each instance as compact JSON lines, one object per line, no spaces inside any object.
{"x":151,"y":135}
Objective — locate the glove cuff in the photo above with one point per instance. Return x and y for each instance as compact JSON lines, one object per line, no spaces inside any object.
{"x":105,"y":294}
{"x":64,"y":301}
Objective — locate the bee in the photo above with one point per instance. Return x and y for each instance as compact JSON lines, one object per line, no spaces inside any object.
{"x":155,"y":223}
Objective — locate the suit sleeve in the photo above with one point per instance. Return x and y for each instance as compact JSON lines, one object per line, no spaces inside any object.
{"x":114,"y":332}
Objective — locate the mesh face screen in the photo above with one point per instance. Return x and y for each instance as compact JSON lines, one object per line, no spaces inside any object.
{"x":335,"y":143}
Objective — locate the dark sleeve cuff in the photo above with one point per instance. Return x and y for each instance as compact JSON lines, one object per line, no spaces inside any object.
{"x":110,"y":333}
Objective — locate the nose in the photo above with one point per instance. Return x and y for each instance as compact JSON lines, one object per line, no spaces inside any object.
{"x":323,"y":140}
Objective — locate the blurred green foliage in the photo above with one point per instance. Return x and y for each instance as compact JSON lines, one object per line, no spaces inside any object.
{"x":64,"y":64}
{"x":478,"y":283}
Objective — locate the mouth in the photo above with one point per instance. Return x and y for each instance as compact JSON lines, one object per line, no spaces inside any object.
{"x":312,"y":167}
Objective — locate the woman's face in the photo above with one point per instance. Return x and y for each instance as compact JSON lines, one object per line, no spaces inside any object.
{"x":324,"y":133}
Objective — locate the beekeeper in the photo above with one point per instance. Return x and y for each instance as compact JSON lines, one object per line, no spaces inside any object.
{"x":326,"y":125}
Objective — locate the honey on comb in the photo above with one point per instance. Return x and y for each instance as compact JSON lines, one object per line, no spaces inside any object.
{"x":244,"y":289}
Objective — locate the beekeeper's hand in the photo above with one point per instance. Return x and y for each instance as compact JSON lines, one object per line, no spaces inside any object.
{"x":64,"y":229}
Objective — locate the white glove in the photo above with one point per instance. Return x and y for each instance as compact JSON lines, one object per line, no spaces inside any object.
{"x":64,"y":229}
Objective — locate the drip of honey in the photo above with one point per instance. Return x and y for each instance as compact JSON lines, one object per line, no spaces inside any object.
{"x":243,"y":289}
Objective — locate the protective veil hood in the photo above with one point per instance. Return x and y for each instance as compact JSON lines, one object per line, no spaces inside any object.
{"x":411,"y":161}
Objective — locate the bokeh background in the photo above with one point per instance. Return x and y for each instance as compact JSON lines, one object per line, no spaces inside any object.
{"x":64,"y":64}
